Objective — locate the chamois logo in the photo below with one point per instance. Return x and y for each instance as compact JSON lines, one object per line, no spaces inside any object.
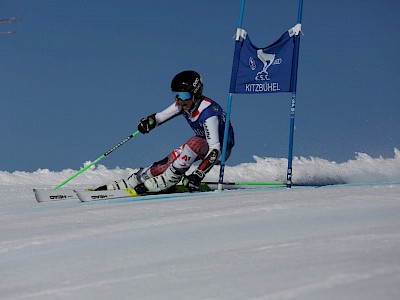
{"x":268,"y":60}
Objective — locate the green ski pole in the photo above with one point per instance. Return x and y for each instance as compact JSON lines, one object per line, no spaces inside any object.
{"x":98,"y":159}
{"x":253,"y":183}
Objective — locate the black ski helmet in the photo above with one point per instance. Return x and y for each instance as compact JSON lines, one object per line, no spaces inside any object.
{"x":188,"y":81}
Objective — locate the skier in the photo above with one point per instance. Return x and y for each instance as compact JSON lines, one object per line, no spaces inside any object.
{"x":205,"y":117}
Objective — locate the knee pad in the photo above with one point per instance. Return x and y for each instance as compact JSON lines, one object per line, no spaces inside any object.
{"x":185,"y":159}
{"x":198,"y":145}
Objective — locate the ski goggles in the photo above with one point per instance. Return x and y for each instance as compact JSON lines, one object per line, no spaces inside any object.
{"x":183,"y":96}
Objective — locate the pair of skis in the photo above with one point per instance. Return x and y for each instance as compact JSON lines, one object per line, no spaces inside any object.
{"x":43,"y":195}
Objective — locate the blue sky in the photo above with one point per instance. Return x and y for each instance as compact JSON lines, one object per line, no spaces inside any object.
{"x":78,"y":75}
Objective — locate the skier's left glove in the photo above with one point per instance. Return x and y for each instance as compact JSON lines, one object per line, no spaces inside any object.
{"x":193,"y":181}
{"x":147,"y":124}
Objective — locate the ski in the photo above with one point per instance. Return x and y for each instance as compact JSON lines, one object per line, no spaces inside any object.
{"x":52,"y":195}
{"x":86,"y":196}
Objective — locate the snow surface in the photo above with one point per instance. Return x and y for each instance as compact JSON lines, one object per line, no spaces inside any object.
{"x":335,"y":242}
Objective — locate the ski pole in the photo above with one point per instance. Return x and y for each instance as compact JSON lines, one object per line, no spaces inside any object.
{"x":254,"y":183}
{"x":98,"y":159}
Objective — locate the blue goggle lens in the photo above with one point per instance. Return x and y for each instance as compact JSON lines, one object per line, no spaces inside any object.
{"x":182,"y":96}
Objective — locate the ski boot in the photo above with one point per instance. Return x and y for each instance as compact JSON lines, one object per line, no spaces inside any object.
{"x":132,"y":181}
{"x":159,"y":183}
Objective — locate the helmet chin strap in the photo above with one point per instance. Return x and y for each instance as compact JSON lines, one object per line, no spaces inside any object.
{"x":196,"y":103}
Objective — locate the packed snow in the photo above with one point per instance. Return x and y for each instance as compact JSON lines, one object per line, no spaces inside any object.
{"x":339,"y":241}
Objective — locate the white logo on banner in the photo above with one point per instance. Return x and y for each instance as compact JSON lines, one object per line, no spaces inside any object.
{"x":268,"y":60}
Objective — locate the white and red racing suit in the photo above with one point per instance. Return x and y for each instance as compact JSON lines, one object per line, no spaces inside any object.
{"x":208,"y":123}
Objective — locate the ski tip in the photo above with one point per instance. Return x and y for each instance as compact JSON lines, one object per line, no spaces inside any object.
{"x":52,"y":195}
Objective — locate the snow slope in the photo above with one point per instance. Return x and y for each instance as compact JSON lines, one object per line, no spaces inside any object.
{"x":333,"y":242}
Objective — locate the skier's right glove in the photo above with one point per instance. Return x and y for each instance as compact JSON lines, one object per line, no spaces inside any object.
{"x":147,"y":124}
{"x":193,"y":181}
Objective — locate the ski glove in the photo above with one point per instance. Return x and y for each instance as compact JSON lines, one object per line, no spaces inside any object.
{"x":147,"y":124}
{"x":192,"y":182}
